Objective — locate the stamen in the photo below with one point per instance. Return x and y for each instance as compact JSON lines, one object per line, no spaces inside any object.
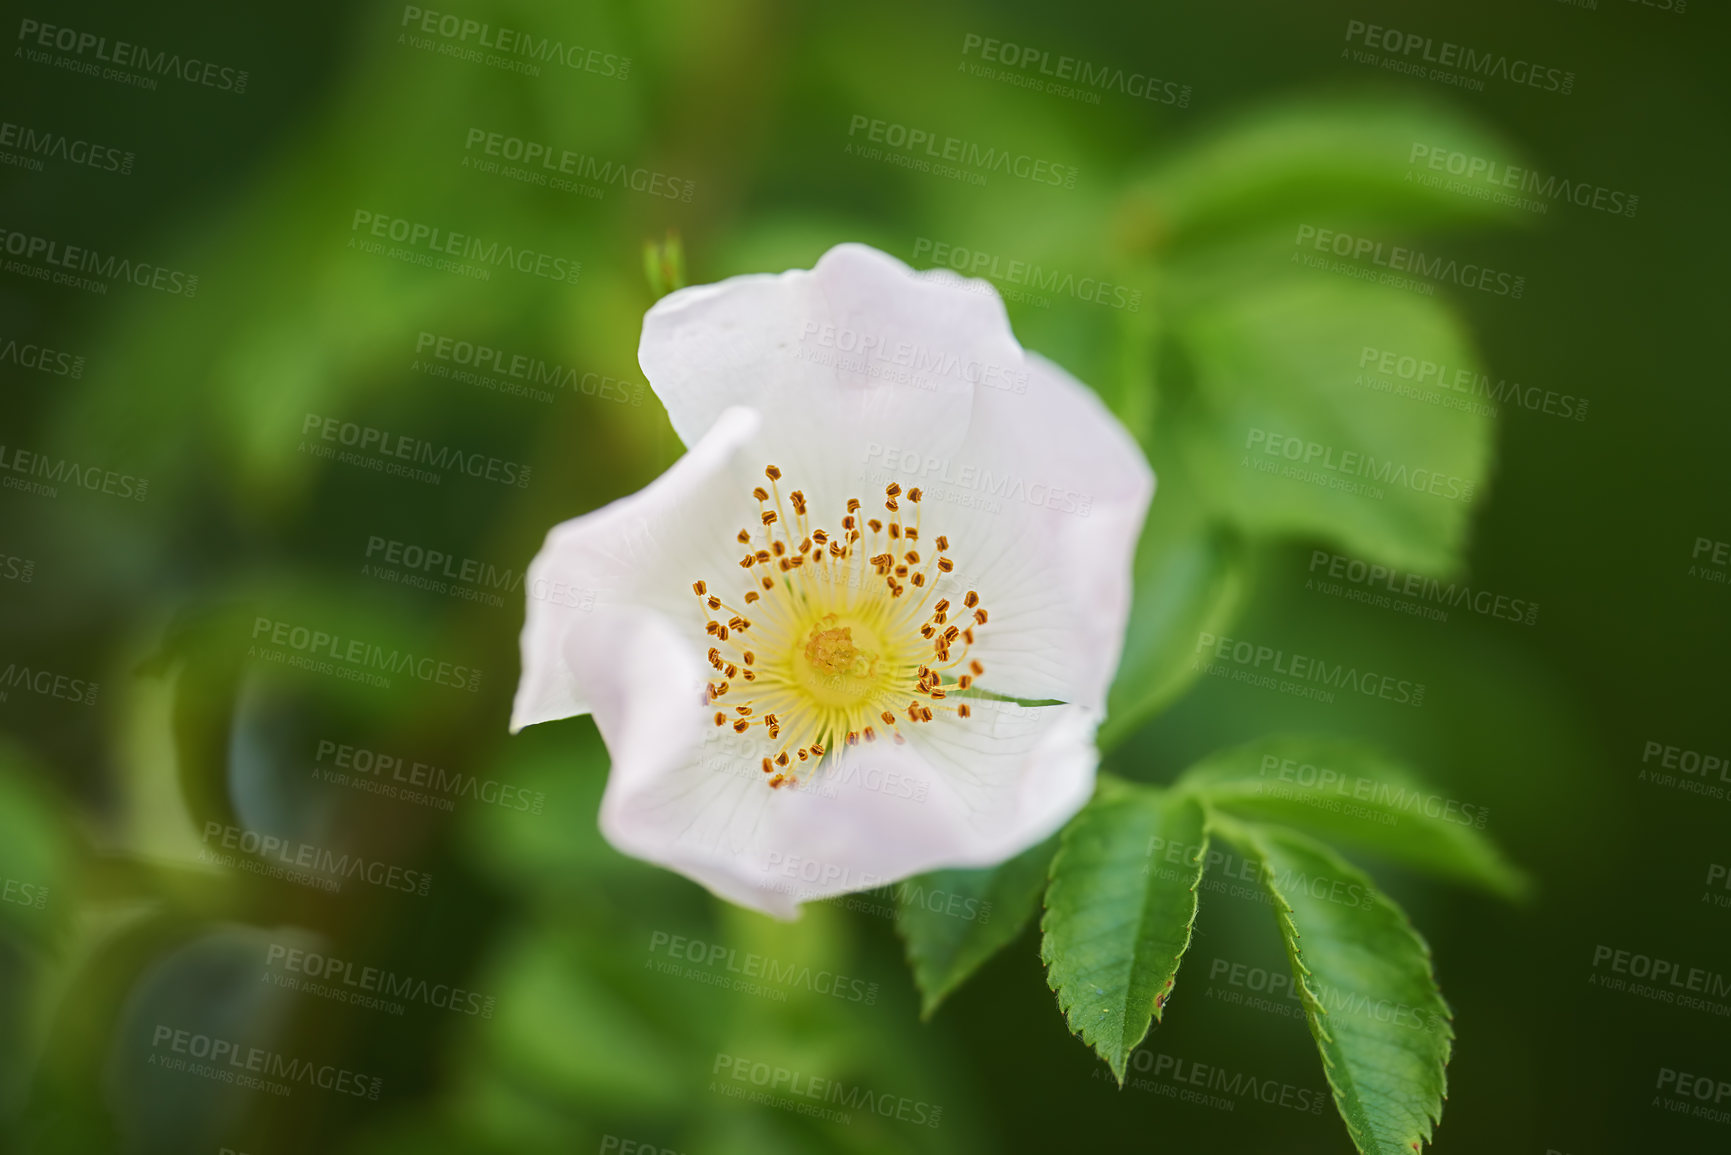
{"x":838,"y":649}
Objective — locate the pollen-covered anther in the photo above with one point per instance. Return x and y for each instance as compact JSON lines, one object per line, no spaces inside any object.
{"x":839,"y":643}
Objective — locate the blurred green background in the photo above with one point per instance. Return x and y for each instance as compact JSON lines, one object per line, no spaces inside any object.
{"x":116,"y":924}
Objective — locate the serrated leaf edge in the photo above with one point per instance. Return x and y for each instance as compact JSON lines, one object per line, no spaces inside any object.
{"x":1315,"y":1011}
{"x":1119,"y":1064}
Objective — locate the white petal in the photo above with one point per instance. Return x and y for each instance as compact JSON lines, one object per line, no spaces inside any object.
{"x":642,"y":550}
{"x":691,"y":797}
{"x":1040,"y":490}
{"x":1058,"y":491}
{"x":855,"y":350}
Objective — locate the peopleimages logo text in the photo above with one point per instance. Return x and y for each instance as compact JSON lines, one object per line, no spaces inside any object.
{"x":465,"y":246}
{"x":305,"y":856}
{"x":968,"y":153}
{"x":1304,"y":668}
{"x":1447,"y":54}
{"x":1400,"y":259}
{"x":110,"y":267}
{"x":124,"y":54}
{"x":1355,"y":464}
{"x":52,"y":145}
{"x":369,"y":438}
{"x":512,"y":42}
{"x":270,"y":1064}
{"x":1104,"y":77}
{"x":356,"y":652}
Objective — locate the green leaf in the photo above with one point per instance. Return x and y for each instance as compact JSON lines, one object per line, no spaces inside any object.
{"x":1353,"y":793}
{"x":1188,"y":578}
{"x":1117,"y":924}
{"x":1294,"y":431}
{"x":952,"y":921}
{"x":1364,"y":975}
{"x":1357,"y":158}
{"x":36,"y":851}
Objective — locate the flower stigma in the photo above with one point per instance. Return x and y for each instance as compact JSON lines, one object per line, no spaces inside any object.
{"x":839,"y":639}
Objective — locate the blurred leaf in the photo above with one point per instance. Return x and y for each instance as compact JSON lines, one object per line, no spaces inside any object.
{"x":566,"y":1032}
{"x":70,"y":1109}
{"x":1189,"y":576}
{"x":1365,"y":978}
{"x":1279,"y":368}
{"x":1116,"y":927}
{"x":36,"y":851}
{"x":557,"y":846}
{"x":1350,"y":158}
{"x":945,"y":947}
{"x":1354,"y":793}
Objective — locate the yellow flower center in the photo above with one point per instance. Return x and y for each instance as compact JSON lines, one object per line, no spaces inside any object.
{"x":838,"y":635}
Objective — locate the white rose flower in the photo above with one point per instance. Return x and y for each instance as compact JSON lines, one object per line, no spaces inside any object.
{"x":865,"y":627}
